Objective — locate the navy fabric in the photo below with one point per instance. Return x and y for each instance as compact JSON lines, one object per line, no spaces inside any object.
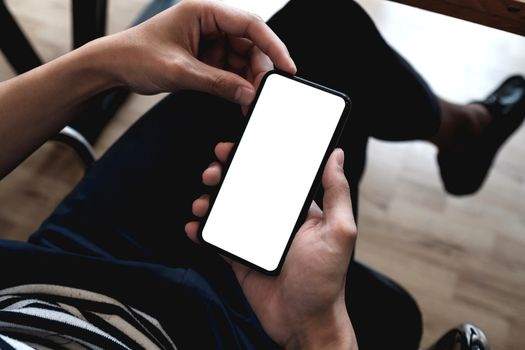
{"x":121,"y":231}
{"x":181,"y":299}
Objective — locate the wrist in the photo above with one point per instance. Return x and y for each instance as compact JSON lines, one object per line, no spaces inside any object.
{"x":332,"y":330}
{"x":96,"y":61}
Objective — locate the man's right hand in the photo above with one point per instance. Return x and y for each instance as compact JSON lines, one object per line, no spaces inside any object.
{"x":303,"y":307}
{"x":198,"y":45}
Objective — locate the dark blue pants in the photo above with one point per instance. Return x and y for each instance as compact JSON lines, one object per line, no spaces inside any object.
{"x":119,"y":210}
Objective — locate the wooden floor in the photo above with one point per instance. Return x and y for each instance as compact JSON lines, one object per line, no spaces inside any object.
{"x":462,"y":258}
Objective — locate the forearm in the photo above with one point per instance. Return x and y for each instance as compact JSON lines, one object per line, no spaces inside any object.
{"x":38,"y":104}
{"x":159,"y":55}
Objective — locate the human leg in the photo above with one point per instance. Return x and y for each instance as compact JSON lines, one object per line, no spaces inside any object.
{"x":316,"y":65}
{"x":119,"y":209}
{"x":340,"y":46}
{"x":336,"y":44}
{"x":471,"y":135}
{"x":141,"y":228}
{"x":383,"y":314}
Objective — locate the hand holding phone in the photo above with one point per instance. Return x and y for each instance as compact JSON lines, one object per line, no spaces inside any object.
{"x":293,"y":126}
{"x":305,"y":303}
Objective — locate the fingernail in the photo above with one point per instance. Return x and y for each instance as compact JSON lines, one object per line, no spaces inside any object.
{"x":294,"y":67}
{"x":244,"y":96}
{"x":340,"y":156}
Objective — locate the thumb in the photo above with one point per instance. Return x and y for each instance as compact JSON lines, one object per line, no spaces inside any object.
{"x":221,"y":83}
{"x":337,"y":205}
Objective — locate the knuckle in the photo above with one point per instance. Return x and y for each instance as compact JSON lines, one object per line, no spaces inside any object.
{"x":254,"y":23}
{"x":345,"y":228}
{"x":175,"y":64}
{"x":343,"y":184}
{"x":219,"y":84}
{"x":340,"y":187}
{"x":178,"y":66}
{"x":256,"y":18}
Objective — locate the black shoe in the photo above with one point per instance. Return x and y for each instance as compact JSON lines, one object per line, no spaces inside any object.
{"x":463,"y":172}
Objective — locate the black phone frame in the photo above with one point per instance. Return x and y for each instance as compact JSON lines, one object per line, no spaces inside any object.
{"x":313,"y":188}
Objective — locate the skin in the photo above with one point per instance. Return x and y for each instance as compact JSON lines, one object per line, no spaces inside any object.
{"x":206,"y":46}
{"x":304,"y":306}
{"x":199,"y":45}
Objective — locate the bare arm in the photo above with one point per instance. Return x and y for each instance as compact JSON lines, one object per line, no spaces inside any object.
{"x":163,"y":54}
{"x":304,"y":306}
{"x":37,"y":104}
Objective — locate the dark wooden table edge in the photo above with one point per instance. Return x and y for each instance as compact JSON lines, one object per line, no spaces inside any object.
{"x":516,"y":26}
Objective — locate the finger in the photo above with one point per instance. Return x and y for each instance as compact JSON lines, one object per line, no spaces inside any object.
{"x":222,"y":150}
{"x":337,"y":205}
{"x":244,"y":49}
{"x":241,"y":46}
{"x":241,"y":271}
{"x":200,"y":76}
{"x":212,"y":52}
{"x":236,"y":63}
{"x":232,"y":21}
{"x":200,"y":206}
{"x":212,"y":175}
{"x":192,"y":231}
{"x":260,"y":63}
{"x":245,"y":110}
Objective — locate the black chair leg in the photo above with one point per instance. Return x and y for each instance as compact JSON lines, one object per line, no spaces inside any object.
{"x":89,"y":23}
{"x":89,"y":20}
{"x":153,"y":8}
{"x":15,"y":45}
{"x":89,"y":17}
{"x":98,"y":113}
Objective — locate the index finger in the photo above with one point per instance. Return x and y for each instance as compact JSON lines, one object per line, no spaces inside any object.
{"x":216,"y":17}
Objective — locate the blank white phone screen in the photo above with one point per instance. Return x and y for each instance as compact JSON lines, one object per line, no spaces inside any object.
{"x":273,"y":170}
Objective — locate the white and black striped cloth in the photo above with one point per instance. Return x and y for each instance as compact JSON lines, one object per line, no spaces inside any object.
{"x":42,"y":316}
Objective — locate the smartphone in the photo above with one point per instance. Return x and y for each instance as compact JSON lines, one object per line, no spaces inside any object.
{"x":274,"y":170}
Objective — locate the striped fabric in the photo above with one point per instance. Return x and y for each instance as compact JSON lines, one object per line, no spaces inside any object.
{"x":42,"y":316}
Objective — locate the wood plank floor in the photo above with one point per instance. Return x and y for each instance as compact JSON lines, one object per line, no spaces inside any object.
{"x":462,"y":258}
